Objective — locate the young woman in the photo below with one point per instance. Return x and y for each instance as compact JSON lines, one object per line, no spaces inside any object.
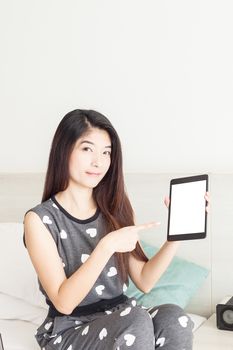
{"x":83,"y":243}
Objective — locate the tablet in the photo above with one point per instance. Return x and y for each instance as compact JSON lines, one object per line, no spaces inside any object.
{"x":187,"y":216}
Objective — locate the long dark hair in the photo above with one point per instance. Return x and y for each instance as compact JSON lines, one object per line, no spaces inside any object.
{"x":110,"y":194}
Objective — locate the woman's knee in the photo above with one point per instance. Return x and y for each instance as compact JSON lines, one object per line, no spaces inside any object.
{"x":170,"y":314}
{"x":171,"y":320}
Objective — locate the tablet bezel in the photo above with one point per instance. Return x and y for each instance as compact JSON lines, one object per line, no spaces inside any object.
{"x":188,"y":236}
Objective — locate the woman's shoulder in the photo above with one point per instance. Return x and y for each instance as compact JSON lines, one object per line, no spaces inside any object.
{"x":45,"y":208}
{"x":48,"y":215}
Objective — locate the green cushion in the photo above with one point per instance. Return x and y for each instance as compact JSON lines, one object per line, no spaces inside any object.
{"x":177,"y":285}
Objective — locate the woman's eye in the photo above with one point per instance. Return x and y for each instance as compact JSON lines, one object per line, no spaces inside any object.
{"x":108,"y":153}
{"x":87,"y":149}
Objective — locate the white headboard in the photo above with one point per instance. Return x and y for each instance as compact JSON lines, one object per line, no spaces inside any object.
{"x":20,"y":192}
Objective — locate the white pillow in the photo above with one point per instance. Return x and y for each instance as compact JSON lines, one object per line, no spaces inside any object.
{"x":197,"y":320}
{"x":17,"y":275}
{"x":12,"y":308}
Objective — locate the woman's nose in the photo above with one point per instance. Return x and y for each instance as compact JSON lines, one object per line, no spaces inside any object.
{"x":96,"y":161}
{"x":95,"y":164}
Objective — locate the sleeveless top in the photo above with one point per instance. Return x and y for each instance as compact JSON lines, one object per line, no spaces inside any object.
{"x":75,"y":240}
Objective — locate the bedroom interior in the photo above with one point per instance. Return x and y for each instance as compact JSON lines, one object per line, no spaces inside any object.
{"x":162,"y":73}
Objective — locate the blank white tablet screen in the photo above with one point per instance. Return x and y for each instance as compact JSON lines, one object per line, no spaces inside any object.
{"x":188,"y":208}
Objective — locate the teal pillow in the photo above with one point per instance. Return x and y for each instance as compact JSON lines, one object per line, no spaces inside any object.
{"x":177,"y":285}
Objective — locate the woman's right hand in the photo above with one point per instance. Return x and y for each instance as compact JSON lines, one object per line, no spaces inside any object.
{"x":125,"y":239}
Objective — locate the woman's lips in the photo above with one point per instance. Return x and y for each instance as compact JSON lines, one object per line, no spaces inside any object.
{"x":93,"y":174}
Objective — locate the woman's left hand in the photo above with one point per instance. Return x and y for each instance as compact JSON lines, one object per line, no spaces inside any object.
{"x":207,"y":198}
{"x":167,"y":201}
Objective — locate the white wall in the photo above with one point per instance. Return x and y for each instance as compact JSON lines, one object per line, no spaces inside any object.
{"x":162,"y":72}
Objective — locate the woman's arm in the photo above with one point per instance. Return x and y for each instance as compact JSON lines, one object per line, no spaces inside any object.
{"x":145,"y":275}
{"x":65,"y":293}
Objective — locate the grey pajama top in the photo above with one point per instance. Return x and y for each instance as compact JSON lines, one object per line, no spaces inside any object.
{"x":75,"y":240}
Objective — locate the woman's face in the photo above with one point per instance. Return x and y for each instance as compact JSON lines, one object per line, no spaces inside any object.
{"x":90,"y":158}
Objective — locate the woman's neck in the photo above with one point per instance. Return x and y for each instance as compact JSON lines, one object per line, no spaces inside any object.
{"x":78,"y":202}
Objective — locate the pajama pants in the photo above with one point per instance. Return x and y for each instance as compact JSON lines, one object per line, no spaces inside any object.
{"x":126,"y":326}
